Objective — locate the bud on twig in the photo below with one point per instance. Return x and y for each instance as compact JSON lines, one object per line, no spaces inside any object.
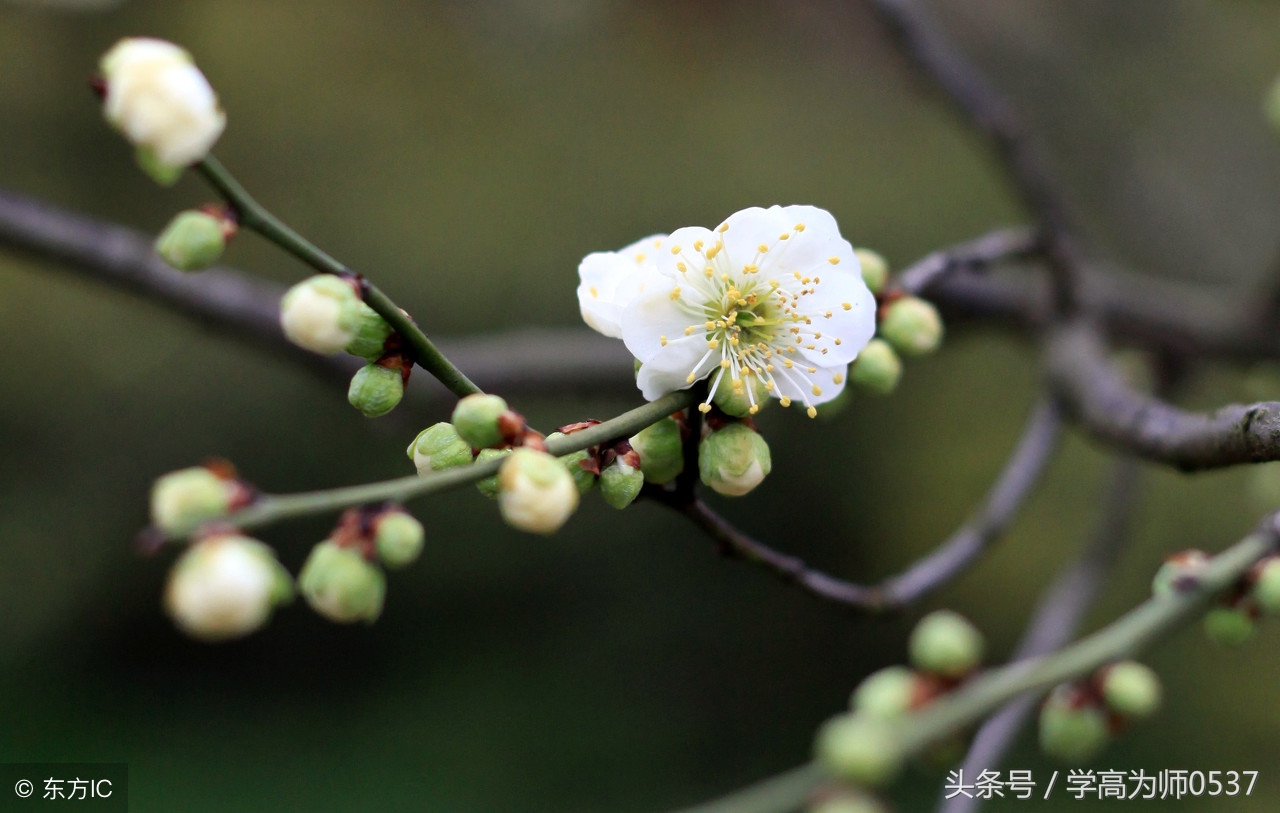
{"x":912,"y":326}
{"x":194,"y":240}
{"x":341,"y":584}
{"x":398,"y":537}
{"x":733,"y":460}
{"x":875,"y":269}
{"x":946,"y":644}
{"x":535,"y":492}
{"x":321,"y":313}
{"x":478,"y":420}
{"x":438,"y":447}
{"x":226,"y":587}
{"x":661,"y":451}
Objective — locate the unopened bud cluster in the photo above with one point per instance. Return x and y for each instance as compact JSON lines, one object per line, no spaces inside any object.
{"x":1233,"y":618}
{"x":862,"y":745}
{"x":1077,"y":720}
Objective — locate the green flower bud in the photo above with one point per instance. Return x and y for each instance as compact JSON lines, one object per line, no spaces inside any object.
{"x":438,"y":447}
{"x":489,"y":485}
{"x":1131,"y":689}
{"x":877,"y":368}
{"x":398,"y":538}
{"x":1177,"y":569}
{"x":535,"y":492}
{"x":620,"y":483}
{"x":847,"y":802}
{"x":1069,"y":731}
{"x":476,"y":419}
{"x":875,"y":269}
{"x":859,"y":749}
{"x":886,"y":694}
{"x":912,"y":326}
{"x":182,"y":500}
{"x":340,"y":584}
{"x":375,"y":390}
{"x":1271,"y":106}
{"x":583,"y":479}
{"x":661,"y":451}
{"x":192,"y":241}
{"x":736,"y":401}
{"x":1228,"y":626}
{"x":321,"y":314}
{"x":946,"y":644}
{"x":733,"y":460}
{"x":226,"y":587}
{"x":155,"y":169}
{"x":1266,"y":586}
{"x":371,"y":334}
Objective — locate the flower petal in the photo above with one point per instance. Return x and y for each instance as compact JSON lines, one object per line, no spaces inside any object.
{"x":798,"y":384}
{"x":669,"y":369}
{"x":653,"y":317}
{"x":606,"y":283}
{"x":840,"y":307}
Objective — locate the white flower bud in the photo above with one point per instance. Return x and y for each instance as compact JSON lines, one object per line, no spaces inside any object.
{"x":340,"y":584}
{"x":476,"y":419}
{"x":733,"y":460}
{"x":912,"y":326}
{"x":620,"y":483}
{"x":535,"y":492}
{"x":398,"y":538}
{"x":321,"y":314}
{"x":182,"y":500}
{"x":376,"y":390}
{"x":162,"y":103}
{"x":192,"y":241}
{"x":660,"y":449}
{"x":438,"y":447}
{"x":225,"y":587}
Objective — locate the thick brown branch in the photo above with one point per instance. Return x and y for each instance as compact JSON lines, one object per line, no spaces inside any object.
{"x":1094,"y":394}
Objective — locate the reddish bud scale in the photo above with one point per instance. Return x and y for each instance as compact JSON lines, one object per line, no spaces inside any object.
{"x":886,"y":298}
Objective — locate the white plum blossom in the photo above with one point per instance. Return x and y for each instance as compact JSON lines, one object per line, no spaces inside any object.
{"x":775,"y":295}
{"x":160,"y":101}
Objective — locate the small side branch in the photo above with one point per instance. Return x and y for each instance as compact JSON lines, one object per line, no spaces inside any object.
{"x":1001,"y":245}
{"x":1095,"y":395}
{"x":1016,"y":480}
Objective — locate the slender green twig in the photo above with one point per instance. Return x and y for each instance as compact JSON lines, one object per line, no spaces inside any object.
{"x":271,"y":508}
{"x":948,"y":715}
{"x":255,"y":216}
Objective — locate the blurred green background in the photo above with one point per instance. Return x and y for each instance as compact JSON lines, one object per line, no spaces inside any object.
{"x":467,"y":155}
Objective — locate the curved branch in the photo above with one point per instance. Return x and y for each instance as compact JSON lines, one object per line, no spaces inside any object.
{"x":1054,"y":623}
{"x":1000,"y":245}
{"x":1017,"y":478}
{"x":1094,"y":394}
{"x":1125,"y":637}
{"x":987,"y":111}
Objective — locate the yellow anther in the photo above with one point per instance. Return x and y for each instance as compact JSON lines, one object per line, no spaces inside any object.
{"x":723,"y":227}
{"x":813,"y":370}
{"x":713,"y":343}
{"x":847,"y":306}
{"x":768,"y":368}
{"x":785,"y":401}
{"x":783,"y":236}
{"x":710,"y":325}
{"x":817,"y":390}
{"x":811,"y":412}
{"x":837,"y":378}
{"x":768,"y":386}
{"x":799,"y":227}
{"x":827,"y":315}
{"x":720,"y":323}
{"x":754,"y":409}
{"x":690,"y":379}
{"x":733,"y":340}
{"x":798,"y":275}
{"x":762,"y":248}
{"x":750,"y":269}
{"x":690,"y":330}
{"x":680,"y":266}
{"x":708,"y":272}
{"x":675,"y":293}
{"x":833,"y":260}
{"x":697,"y":245}
{"x":704,"y":408}
{"x":838,"y":341}
{"x":675,"y":249}
{"x":594,"y":293}
{"x":810,"y":347}
{"x":640,"y":257}
{"x":713,"y":251}
{"x":662,"y":340}
{"x":787,"y":363}
{"x":737,"y":383}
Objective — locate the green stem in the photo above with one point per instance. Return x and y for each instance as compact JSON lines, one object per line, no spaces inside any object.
{"x":989,"y":691}
{"x":255,"y":216}
{"x":271,"y":508}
